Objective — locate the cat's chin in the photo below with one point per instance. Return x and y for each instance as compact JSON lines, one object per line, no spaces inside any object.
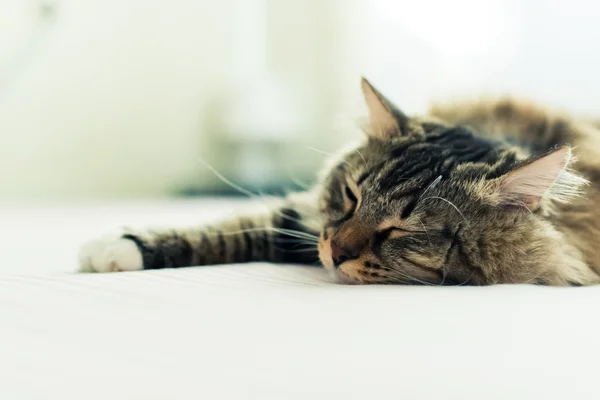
{"x":344,"y":279}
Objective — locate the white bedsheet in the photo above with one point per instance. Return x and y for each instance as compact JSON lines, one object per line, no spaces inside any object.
{"x":268,"y":332}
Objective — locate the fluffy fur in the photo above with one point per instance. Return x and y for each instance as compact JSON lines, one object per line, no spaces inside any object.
{"x":497,"y":191}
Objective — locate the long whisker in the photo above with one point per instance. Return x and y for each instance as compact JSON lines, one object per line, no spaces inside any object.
{"x":288,"y":232}
{"x":302,"y":241}
{"x":403,"y":277}
{"x":295,"y":179}
{"x":425,"y":229}
{"x":444,"y":274}
{"x":299,"y":242}
{"x":305,"y":243}
{"x":326,"y":153}
{"x":467,"y":280}
{"x":306,"y":250}
{"x":361,"y":156}
{"x":449,"y":202}
{"x":227,"y":181}
{"x":296,"y":234}
{"x":318,"y":150}
{"x":413,"y":279}
{"x":247,"y":192}
{"x":431,"y":186}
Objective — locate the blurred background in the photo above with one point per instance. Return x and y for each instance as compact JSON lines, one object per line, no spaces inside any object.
{"x":122,"y":99}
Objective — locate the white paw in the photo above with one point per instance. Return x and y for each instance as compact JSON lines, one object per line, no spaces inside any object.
{"x":110,"y":253}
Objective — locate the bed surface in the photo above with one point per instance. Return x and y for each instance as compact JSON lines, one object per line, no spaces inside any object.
{"x":262,"y":331}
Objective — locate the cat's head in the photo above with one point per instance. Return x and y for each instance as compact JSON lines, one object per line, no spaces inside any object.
{"x":421,"y":201}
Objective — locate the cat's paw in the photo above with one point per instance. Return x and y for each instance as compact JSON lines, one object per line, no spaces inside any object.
{"x":110,"y":253}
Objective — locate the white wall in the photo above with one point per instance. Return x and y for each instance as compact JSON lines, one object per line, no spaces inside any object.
{"x":113,"y":100}
{"x":115,"y":91}
{"x":546,"y":50}
{"x":116,"y":98}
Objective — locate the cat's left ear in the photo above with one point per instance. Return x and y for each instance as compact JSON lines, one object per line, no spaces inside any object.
{"x":547,"y":176}
{"x":385,"y":119}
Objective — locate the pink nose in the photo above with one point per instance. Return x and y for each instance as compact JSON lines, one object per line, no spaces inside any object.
{"x":340,"y":254}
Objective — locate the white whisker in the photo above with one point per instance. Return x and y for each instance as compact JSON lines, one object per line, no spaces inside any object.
{"x":449,"y":202}
{"x":300,"y":183}
{"x":306,"y":250}
{"x":249,"y":193}
{"x":326,"y":153}
{"x":361,"y":156}
{"x":431,"y":186}
{"x":468,"y":279}
{"x":227,"y":181}
{"x":319,"y":151}
{"x":288,"y":232}
{"x":425,"y":229}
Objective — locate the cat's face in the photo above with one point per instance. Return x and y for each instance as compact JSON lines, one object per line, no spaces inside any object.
{"x":423,"y":202}
{"x":392,"y":213}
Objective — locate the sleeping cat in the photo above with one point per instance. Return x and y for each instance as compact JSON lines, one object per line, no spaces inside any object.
{"x":437,"y":200}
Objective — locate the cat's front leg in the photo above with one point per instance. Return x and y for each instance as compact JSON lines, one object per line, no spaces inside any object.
{"x":110,"y":253}
{"x":286,"y":233}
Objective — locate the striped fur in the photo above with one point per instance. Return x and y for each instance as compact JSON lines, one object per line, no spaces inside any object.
{"x":478,"y":193}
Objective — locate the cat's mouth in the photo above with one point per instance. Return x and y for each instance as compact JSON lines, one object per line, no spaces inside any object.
{"x":344,"y":279}
{"x":347,"y":273}
{"x":324,"y":249}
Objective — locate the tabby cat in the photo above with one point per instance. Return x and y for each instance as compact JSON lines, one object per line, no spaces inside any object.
{"x":474,"y":194}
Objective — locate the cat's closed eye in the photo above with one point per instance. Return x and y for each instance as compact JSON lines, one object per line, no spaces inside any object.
{"x":350,"y":194}
{"x":392,"y":232}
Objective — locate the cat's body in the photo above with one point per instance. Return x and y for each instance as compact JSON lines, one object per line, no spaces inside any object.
{"x":538,"y":130}
{"x":422,"y":200}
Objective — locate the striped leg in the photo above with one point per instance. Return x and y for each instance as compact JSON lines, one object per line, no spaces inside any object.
{"x":282,"y":235}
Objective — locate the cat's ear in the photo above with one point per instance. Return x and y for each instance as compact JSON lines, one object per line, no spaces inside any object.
{"x":385,"y":119}
{"x":547,"y":176}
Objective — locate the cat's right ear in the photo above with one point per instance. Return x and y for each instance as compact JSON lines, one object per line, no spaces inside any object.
{"x":548,"y":177}
{"x":385,"y":119}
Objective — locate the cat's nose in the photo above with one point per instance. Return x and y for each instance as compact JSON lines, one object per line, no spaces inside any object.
{"x":340,"y":254}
